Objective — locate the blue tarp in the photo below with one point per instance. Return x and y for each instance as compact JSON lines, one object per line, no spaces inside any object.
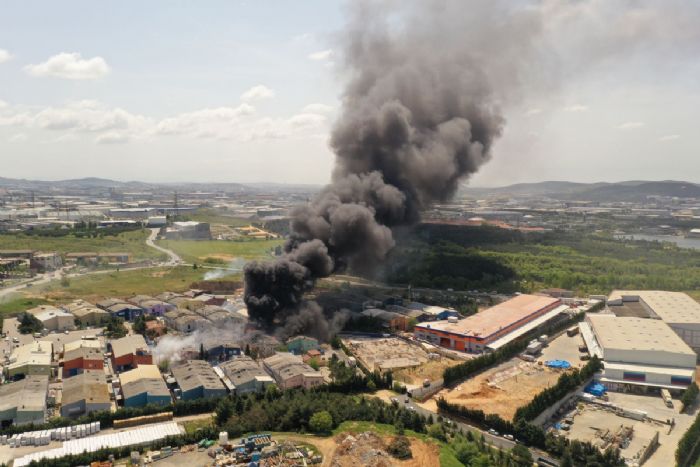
{"x":596,"y":389}
{"x":563,"y":364}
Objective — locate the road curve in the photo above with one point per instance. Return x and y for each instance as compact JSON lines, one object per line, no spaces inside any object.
{"x":173,"y":260}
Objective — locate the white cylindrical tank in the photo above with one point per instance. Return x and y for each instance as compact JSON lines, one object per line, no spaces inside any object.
{"x":223,"y":437}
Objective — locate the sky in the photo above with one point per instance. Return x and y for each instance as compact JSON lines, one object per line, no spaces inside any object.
{"x":247,"y":91}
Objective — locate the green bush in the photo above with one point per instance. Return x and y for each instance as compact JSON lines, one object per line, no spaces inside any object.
{"x":400,"y":448}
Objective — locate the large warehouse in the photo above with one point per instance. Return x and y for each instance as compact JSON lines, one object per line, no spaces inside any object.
{"x":638,"y":352}
{"x":676,"y":309}
{"x":492,"y":327}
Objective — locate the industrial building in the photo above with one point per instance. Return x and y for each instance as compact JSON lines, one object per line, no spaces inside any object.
{"x":80,"y":359}
{"x":85,"y":393}
{"x":151,"y":305}
{"x":491,"y":328}
{"x":130,"y":352}
{"x":243,"y":374}
{"x":120,"y":308}
{"x":144,"y":385}
{"x":289,"y":371}
{"x":301,"y":344}
{"x":197,"y":379}
{"x":52,"y":318}
{"x":30,"y":359}
{"x":24,"y":401}
{"x":676,"y":309}
{"x":638,"y":352}
{"x":389,"y":319}
{"x":87,"y":313}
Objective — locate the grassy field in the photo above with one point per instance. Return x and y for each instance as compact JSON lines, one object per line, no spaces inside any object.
{"x":130,"y":242}
{"x":151,"y":281}
{"x":193,"y":251}
{"x":213,"y":217}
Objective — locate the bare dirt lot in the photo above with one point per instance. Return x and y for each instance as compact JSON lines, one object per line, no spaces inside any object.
{"x":500,"y":390}
{"x":431,"y":370}
{"x":370,"y":449}
{"x":386,"y":353}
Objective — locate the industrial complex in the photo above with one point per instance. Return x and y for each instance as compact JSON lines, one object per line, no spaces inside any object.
{"x":493,"y":327}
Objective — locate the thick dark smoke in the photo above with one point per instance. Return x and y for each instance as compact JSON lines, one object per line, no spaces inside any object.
{"x":420,"y":114}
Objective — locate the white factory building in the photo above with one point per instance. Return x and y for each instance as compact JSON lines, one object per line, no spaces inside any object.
{"x":638,"y":353}
{"x":676,"y":309}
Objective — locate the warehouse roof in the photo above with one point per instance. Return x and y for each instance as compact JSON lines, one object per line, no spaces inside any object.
{"x":88,"y":310}
{"x":492,"y":320}
{"x":128,"y":345}
{"x":628,"y":333}
{"x":672,"y":307}
{"x":154,"y":387}
{"x":90,"y":386}
{"x":36,"y":353}
{"x":85,"y":352}
{"x":286,"y":365}
{"x":26,"y":394}
{"x":242,"y":370}
{"x":138,"y":373}
{"x":196,"y":373}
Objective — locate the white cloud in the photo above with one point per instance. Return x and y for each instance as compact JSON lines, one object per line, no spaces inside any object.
{"x":307,"y":120}
{"x":317,"y":109}
{"x":5,"y":56}
{"x":257,"y":93}
{"x":70,"y":66}
{"x":630,"y":125}
{"x":112,"y":137}
{"x":321,"y":55}
{"x":206,"y":122}
{"x":669,"y":137}
{"x":531,"y":112}
{"x":576,"y":108}
{"x":17,"y":138}
{"x":3,"y":104}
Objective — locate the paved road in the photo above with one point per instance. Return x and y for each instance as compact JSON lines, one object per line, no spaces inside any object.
{"x":497,"y":441}
{"x":173,"y":257}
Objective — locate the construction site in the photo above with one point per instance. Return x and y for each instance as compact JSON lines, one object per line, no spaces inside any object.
{"x":500,"y":390}
{"x":644,"y":428}
{"x":370,"y":449}
{"x":386,"y":353}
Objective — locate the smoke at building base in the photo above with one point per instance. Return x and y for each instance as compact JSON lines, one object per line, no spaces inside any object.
{"x":420,"y":114}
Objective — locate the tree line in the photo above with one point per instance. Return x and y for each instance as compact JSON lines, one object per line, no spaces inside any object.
{"x":567,"y":382}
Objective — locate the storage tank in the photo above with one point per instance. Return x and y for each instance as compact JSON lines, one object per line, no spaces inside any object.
{"x":223,"y":437}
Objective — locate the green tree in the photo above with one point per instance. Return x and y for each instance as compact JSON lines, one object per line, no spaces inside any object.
{"x":29,"y":324}
{"x":400,"y":448}
{"x":321,"y":422}
{"x":224,"y":410}
{"x":521,"y":456}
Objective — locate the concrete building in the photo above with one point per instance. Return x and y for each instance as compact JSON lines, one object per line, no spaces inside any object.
{"x":24,"y":401}
{"x":478,"y":332}
{"x":43,"y":262}
{"x":81,"y":359}
{"x":638,"y":352}
{"x":301,"y":344}
{"x":243,"y":374}
{"x":30,"y":359}
{"x":289,"y":371}
{"x":120,"y":308}
{"x":676,"y":309}
{"x":85,"y":393}
{"x":144,"y":385}
{"x":433,"y":313}
{"x":188,"y":230}
{"x":130,"y":352}
{"x":90,"y":316}
{"x":55,"y":319}
{"x":197,"y":380}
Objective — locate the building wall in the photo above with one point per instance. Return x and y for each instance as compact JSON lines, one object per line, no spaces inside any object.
{"x":25,"y":417}
{"x":139,"y":400}
{"x":645,"y":377}
{"x":28,"y":370}
{"x":302,"y":345}
{"x":131,"y":361}
{"x":649,"y":357}
{"x":78,"y":365}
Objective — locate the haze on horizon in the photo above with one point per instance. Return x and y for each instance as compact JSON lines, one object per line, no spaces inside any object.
{"x":248,"y":92}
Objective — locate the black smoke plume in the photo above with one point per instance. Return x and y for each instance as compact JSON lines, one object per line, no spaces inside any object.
{"x":419,"y":115}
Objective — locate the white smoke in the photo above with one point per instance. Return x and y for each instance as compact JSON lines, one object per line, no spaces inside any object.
{"x":171,"y":347}
{"x":234,"y":266}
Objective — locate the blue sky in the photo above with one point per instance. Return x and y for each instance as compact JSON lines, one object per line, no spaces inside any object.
{"x":156,"y":91}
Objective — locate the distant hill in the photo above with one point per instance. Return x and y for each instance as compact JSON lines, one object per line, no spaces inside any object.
{"x":633,"y":190}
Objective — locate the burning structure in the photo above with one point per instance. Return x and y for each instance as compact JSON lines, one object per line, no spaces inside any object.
{"x":419,"y":115}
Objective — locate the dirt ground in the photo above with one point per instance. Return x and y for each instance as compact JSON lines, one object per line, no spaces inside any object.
{"x":326,"y":446}
{"x":500,"y":390}
{"x":431,"y":370}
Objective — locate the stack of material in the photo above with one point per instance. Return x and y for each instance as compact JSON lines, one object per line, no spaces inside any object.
{"x":134,"y":437}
